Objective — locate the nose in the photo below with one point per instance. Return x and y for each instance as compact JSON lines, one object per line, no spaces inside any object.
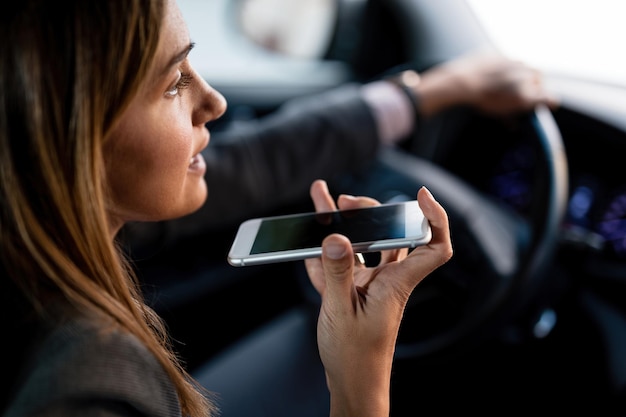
{"x":210,"y":103}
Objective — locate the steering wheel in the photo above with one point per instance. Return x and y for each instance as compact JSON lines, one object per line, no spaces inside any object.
{"x":500,"y":255}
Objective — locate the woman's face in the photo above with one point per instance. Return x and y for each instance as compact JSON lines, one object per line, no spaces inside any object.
{"x":153,"y":163}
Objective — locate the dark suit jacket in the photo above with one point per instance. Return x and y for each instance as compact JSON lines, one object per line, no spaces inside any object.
{"x":76,"y":371}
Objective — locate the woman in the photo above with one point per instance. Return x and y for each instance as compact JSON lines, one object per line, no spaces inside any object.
{"x":102,"y":121}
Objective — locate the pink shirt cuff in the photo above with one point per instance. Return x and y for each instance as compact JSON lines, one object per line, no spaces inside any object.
{"x":392,"y":110}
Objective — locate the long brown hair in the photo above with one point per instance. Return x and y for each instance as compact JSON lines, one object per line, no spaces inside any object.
{"x":67,"y":71}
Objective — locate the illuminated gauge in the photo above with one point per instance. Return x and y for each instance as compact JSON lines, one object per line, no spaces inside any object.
{"x":612,"y":224}
{"x":580,"y":204}
{"x":586,"y":190}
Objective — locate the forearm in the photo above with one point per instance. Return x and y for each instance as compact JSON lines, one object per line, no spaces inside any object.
{"x":367,"y":393}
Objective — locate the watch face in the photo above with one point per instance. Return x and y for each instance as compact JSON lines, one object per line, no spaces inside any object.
{"x":409,"y":78}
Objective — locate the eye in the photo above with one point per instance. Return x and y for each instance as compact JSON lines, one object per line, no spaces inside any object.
{"x":183,"y":82}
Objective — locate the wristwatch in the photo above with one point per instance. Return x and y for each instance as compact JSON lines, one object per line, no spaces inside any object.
{"x":408,"y":80}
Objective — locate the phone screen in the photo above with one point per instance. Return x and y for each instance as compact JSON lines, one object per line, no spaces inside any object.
{"x":300,"y":236}
{"x":308,"y":231}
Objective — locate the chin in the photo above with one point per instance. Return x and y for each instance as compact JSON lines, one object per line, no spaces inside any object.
{"x":198,"y":200}
{"x":187,"y":203}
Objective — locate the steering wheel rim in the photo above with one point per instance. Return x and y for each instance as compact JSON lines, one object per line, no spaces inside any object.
{"x":501,"y":257}
{"x":515,"y":251}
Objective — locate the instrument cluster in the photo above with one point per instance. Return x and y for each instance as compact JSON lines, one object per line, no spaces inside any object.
{"x":595,"y":217}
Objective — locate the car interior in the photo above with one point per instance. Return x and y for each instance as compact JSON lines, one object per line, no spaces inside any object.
{"x":529,"y":315}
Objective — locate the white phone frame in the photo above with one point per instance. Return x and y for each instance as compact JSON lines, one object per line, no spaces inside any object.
{"x":416,"y":230}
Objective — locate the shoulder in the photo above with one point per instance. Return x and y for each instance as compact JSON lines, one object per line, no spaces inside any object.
{"x":78,"y":370}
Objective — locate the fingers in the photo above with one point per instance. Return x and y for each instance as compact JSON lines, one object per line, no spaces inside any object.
{"x":321,"y":197}
{"x":393,"y":255}
{"x":503,"y":86}
{"x":532,"y":90}
{"x":338,"y":264}
{"x":323,"y":202}
{"x":427,"y":258}
{"x":438,"y":219}
{"x":347,"y":202}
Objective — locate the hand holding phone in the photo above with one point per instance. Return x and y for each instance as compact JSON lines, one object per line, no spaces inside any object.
{"x":299,"y":236}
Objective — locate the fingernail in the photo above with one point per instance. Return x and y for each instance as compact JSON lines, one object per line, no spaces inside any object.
{"x":334,"y":251}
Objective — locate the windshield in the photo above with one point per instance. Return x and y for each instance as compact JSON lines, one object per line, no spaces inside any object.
{"x":570,"y":37}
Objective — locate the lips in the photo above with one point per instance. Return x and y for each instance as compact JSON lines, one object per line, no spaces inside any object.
{"x":197,"y":163}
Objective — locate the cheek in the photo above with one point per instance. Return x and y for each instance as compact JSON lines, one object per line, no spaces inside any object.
{"x":147,"y":167}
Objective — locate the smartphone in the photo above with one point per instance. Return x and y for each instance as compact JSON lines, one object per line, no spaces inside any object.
{"x":299,"y":236}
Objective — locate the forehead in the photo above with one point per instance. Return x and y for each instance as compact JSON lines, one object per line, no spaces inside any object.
{"x":174,"y":36}
{"x":174,"y":25}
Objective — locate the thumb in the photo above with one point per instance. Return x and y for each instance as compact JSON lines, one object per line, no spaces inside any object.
{"x":338,"y":264}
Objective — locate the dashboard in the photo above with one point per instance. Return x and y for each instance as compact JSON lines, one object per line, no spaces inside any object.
{"x":501,"y":159}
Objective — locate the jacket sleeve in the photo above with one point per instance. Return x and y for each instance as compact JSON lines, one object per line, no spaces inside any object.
{"x":269,"y":162}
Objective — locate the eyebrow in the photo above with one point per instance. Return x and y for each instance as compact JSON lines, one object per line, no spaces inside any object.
{"x":179,"y":57}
